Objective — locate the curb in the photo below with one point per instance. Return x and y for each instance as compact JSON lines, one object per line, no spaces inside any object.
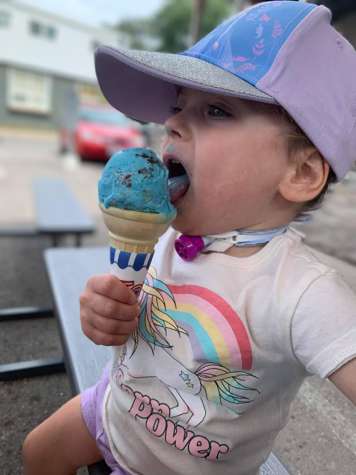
{"x":26,"y":133}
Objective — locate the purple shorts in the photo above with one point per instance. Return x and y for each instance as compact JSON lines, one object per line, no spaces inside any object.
{"x":91,"y":401}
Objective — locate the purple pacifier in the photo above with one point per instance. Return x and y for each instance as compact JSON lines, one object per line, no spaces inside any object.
{"x":188,"y":247}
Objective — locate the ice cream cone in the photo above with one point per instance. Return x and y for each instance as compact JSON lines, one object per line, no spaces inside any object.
{"x":132,"y":237}
{"x":136,"y":206}
{"x":134,"y":231}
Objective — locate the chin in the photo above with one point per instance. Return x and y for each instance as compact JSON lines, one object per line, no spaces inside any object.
{"x":191,"y":224}
{"x":190,"y":229}
{"x":183,"y":227}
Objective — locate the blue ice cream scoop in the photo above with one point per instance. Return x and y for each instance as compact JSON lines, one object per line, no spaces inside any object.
{"x":136,"y":179}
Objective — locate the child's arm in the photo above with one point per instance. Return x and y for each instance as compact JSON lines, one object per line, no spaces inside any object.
{"x":345,"y":379}
{"x":108,"y":310}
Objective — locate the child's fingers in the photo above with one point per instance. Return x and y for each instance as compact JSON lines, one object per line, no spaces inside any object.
{"x":100,"y":331}
{"x":108,"y":307}
{"x":112,"y":287}
{"x":109,"y":325}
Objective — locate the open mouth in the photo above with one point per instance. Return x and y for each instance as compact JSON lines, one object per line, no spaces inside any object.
{"x":178,"y":180}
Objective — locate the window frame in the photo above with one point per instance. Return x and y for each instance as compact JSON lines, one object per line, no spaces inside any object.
{"x":37,"y":99}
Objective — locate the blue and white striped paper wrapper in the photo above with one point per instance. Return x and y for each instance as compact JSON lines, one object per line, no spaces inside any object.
{"x":130,"y":266}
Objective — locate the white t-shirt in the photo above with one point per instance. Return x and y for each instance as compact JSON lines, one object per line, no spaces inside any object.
{"x":224,"y":345}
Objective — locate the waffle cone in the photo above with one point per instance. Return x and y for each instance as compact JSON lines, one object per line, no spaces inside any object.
{"x":134,"y":231}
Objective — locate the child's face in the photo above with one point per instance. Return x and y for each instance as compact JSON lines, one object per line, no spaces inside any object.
{"x":235,"y":154}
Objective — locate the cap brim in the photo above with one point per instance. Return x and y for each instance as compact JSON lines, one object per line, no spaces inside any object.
{"x":142,"y":84}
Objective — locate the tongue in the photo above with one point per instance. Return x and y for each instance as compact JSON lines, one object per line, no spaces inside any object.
{"x":177,"y":186}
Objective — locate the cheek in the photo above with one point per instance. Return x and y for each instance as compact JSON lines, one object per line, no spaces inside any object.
{"x":234,"y":168}
{"x":264,"y":164}
{"x":236,"y":183}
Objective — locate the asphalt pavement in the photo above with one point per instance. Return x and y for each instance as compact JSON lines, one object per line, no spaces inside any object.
{"x":320,"y":437}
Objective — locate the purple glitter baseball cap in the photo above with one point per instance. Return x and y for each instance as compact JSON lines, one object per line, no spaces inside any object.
{"x":280,"y":52}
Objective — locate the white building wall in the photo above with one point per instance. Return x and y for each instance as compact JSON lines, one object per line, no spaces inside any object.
{"x":68,"y":54}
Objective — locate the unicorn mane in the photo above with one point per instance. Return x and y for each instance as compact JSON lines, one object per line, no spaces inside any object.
{"x":154,"y":321}
{"x":221,"y":384}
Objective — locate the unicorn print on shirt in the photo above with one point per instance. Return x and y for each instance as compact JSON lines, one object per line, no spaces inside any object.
{"x":194,"y":343}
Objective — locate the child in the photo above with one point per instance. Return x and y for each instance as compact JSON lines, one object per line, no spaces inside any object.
{"x":207,"y":365}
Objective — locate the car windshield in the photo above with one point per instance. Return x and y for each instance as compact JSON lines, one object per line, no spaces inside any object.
{"x":104,"y":117}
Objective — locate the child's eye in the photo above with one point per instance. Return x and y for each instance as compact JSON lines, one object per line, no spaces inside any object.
{"x":216,"y":111}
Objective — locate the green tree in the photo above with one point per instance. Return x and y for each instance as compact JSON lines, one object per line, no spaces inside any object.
{"x":136,"y":31}
{"x":170,"y":28}
{"x":172,"y":22}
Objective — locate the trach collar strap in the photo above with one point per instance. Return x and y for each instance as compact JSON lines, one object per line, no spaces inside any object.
{"x":188,"y":247}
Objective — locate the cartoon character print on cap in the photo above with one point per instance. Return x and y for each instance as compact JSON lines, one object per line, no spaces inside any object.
{"x":250,"y":49}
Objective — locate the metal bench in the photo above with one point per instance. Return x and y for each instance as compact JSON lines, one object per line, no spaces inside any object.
{"x":58,"y":214}
{"x":68,"y":271}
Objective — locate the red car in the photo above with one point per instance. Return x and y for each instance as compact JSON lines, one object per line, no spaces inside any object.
{"x":101,"y":131}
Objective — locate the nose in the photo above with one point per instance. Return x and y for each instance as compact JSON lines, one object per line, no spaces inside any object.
{"x":177,"y":126}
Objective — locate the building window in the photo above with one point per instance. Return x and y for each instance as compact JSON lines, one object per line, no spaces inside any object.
{"x":4,"y":19}
{"x":28,"y":92}
{"x":41,"y":29}
{"x":35,"y":28}
{"x":51,"y":32}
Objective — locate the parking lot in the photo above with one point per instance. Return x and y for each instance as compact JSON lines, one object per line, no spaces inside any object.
{"x":321,"y":435}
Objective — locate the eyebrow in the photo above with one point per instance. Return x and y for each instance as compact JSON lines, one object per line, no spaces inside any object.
{"x":228,"y":101}
{"x":181,"y":92}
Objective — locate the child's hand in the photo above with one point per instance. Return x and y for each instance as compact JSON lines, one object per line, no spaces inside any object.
{"x":108,"y":310}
